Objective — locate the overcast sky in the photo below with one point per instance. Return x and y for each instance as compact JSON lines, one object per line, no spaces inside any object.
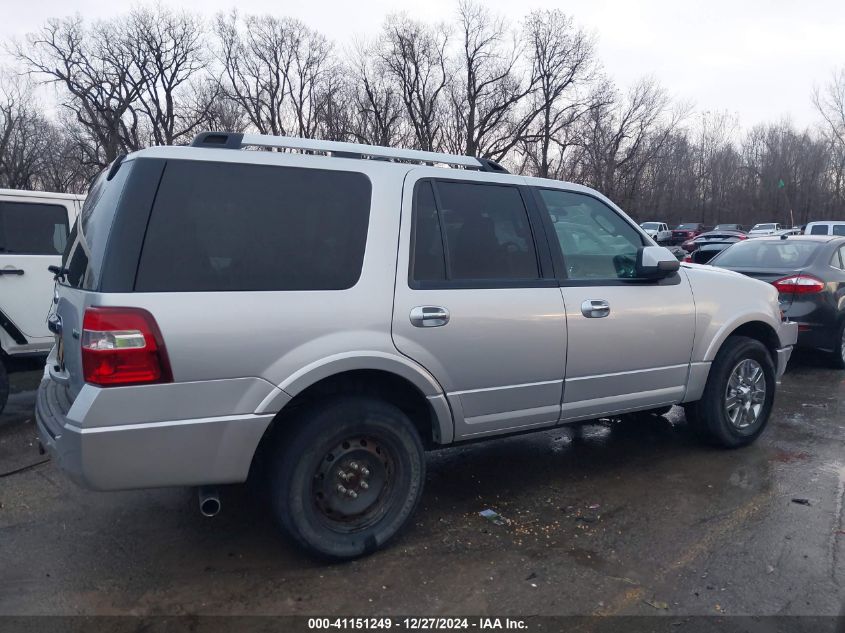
{"x":759,"y":59}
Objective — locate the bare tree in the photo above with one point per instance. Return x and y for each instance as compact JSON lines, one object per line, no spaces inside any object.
{"x":256,"y":61}
{"x":489,"y":88}
{"x":413,"y":54}
{"x":563,"y":65}
{"x":376,"y":105}
{"x":171,"y":54}
{"x":98,"y":72}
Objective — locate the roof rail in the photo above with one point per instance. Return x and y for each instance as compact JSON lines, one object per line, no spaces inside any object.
{"x":231,"y":140}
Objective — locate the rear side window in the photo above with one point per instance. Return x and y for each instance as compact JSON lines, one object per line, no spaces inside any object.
{"x":29,"y":228}
{"x":769,"y":254}
{"x":86,"y":247}
{"x":225,"y":227}
{"x":484,"y":228}
{"x":818,"y":229}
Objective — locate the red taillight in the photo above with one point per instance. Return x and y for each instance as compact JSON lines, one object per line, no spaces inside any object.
{"x":799,"y":285}
{"x":123,"y":346}
{"x":688,"y":259}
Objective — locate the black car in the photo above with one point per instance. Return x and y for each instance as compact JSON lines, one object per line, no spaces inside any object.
{"x":809,"y":273}
{"x":729,"y":227}
{"x":707,"y":245}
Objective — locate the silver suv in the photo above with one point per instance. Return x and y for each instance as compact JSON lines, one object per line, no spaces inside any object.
{"x":321,"y":315}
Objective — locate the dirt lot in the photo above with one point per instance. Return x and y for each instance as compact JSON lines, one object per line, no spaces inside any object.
{"x":628,"y":517}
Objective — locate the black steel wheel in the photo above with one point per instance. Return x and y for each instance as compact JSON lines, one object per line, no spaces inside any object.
{"x":347,"y":475}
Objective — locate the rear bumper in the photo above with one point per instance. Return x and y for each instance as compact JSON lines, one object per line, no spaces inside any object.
{"x":183,"y":452}
{"x":788,"y":336}
{"x":782,"y":358}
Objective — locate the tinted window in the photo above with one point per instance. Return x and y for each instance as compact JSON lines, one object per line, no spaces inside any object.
{"x":818,"y":229}
{"x":595,"y":241}
{"x":766,"y":254}
{"x":839,"y":229}
{"x":484,"y":227}
{"x":835,"y":259}
{"x":651,"y":225}
{"x":30,"y":228}
{"x":487,"y":232}
{"x":222,"y":226}
{"x":428,"y":261}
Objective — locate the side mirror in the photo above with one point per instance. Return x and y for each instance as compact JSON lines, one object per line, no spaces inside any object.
{"x":656,"y":262}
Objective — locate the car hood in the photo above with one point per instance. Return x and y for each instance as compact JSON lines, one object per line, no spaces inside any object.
{"x":737,"y":280}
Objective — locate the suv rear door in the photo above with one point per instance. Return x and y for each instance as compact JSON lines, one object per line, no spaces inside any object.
{"x":33,"y":234}
{"x":630,"y":341}
{"x":476,"y":302}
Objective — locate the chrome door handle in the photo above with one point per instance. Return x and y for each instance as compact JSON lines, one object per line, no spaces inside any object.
{"x":595,"y":308}
{"x":429,"y":316}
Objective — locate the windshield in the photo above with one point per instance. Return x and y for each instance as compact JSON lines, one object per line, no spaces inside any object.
{"x":688,"y":226}
{"x":764,"y":227}
{"x":650,"y":225}
{"x":766,"y":254}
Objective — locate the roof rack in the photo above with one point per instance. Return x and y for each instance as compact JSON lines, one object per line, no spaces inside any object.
{"x":233,"y":140}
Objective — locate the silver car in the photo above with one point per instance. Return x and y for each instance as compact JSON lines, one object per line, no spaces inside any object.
{"x":321,"y":316}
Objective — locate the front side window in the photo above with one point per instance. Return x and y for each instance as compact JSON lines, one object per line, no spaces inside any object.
{"x":818,"y":229}
{"x":839,"y":229}
{"x":233,"y":227}
{"x":483,"y":227}
{"x":596,"y":243}
{"x":28,"y":228}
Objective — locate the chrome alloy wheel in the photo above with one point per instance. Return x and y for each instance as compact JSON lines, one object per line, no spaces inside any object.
{"x":745,"y":394}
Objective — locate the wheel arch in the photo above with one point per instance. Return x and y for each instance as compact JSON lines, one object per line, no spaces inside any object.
{"x":758,"y":329}
{"x":394,"y":380}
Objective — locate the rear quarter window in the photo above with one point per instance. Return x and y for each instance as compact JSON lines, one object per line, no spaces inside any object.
{"x":768,"y":254}
{"x":229,"y":227}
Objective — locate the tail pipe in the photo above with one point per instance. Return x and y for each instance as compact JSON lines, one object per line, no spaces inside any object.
{"x":209,"y":500}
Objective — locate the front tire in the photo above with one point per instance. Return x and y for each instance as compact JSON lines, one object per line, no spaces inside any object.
{"x":347,"y":476}
{"x":737,"y":401}
{"x":4,"y":385}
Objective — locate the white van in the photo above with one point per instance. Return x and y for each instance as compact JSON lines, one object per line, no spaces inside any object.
{"x":34,"y":229}
{"x":827,"y":227}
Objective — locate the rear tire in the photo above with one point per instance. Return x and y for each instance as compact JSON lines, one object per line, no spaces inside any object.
{"x":333,"y":449}
{"x":4,"y":385}
{"x":838,"y":356}
{"x":737,"y":400}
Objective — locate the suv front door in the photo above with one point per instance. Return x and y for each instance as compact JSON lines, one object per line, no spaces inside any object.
{"x":476,"y":302}
{"x":32,"y":237}
{"x":630,"y":341}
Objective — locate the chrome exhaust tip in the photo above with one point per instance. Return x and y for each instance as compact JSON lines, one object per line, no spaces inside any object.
{"x":209,"y":501}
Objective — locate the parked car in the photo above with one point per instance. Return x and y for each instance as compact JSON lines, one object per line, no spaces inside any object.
{"x":729,"y":227}
{"x":319,"y":318}
{"x":788,"y":232}
{"x":809,"y":273}
{"x":658,"y":231}
{"x":33,"y":234}
{"x":767,"y":228}
{"x":707,"y":245}
{"x":828,"y":227}
{"x":684,"y":232}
